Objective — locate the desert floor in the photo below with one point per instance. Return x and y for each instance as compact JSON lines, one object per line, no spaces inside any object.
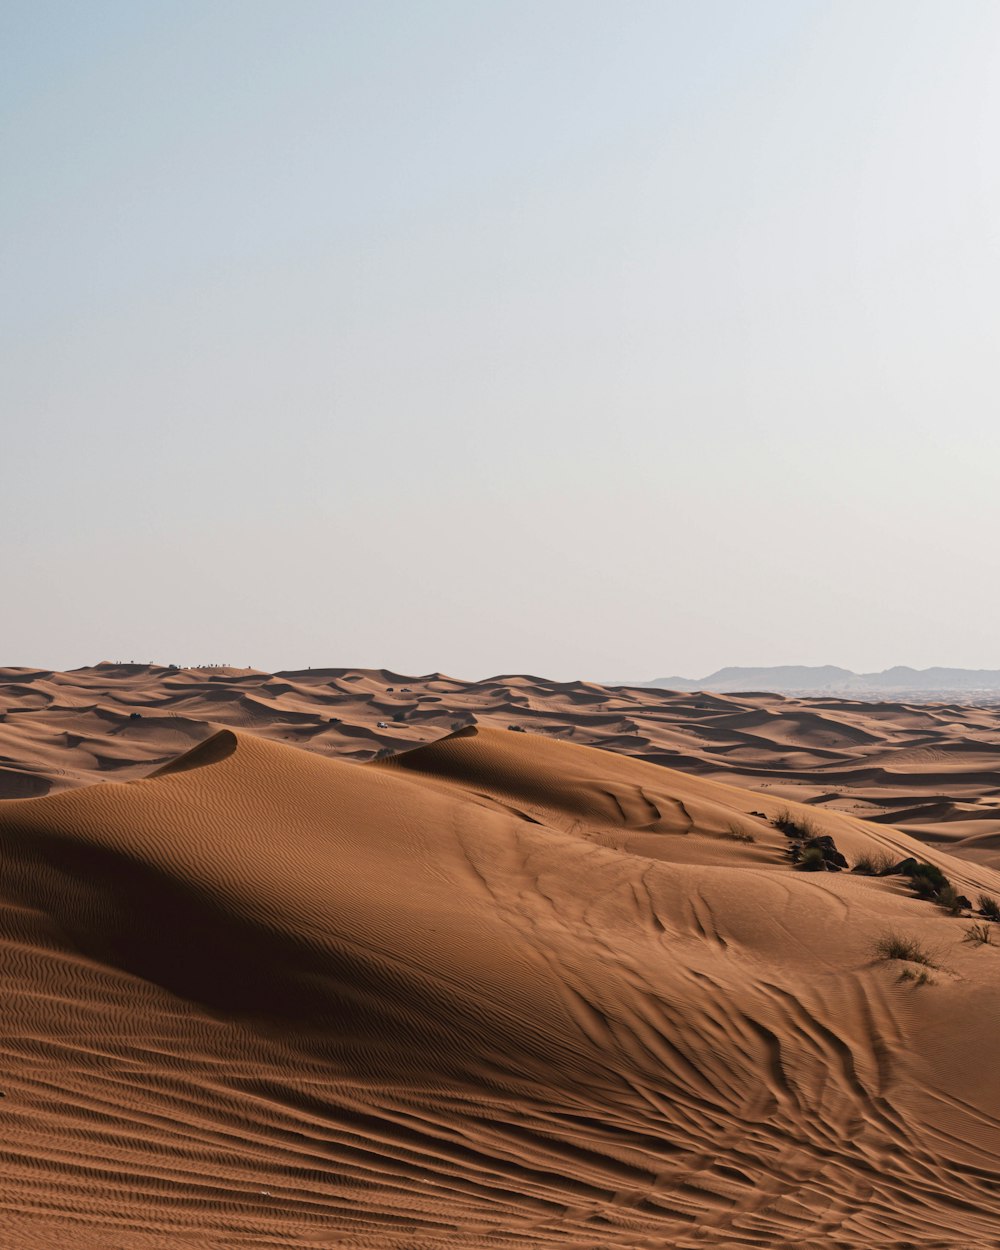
{"x":277,"y":975}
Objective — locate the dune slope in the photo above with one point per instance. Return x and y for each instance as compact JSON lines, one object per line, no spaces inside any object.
{"x":499,"y":990}
{"x":930,"y":768}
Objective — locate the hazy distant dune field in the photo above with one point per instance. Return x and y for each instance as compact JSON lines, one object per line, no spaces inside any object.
{"x":933,"y":769}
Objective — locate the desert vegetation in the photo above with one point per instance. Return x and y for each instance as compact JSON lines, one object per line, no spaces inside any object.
{"x":808,"y":849}
{"x":989,"y":907}
{"x":928,"y":882}
{"x":892,"y":945}
{"x":952,"y":901}
{"x":798,"y":828}
{"x":923,"y":977}
{"x":811,"y":860}
{"x":875,"y":863}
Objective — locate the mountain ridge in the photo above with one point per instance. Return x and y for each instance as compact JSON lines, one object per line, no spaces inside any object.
{"x":830,"y":679}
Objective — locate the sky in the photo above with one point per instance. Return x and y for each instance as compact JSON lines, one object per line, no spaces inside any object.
{"x":593,"y":340}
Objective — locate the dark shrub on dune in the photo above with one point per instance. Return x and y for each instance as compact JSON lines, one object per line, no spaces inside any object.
{"x":989,"y":907}
{"x":927,"y":880}
{"x":795,"y":828}
{"x":812,"y":860}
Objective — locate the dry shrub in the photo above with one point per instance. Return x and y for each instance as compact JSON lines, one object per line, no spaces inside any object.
{"x":875,"y":863}
{"x":892,"y":945}
{"x":922,"y":977}
{"x":979,"y":934}
{"x":989,"y":907}
{"x":800,"y":828}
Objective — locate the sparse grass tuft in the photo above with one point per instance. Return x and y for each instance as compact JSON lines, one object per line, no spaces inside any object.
{"x":800,"y":828}
{"x":918,"y":978}
{"x":736,"y":833}
{"x":896,"y":946}
{"x":989,"y":907}
{"x":979,"y":934}
{"x":874,"y":863}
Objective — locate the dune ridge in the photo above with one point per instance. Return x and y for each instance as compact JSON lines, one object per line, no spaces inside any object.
{"x":932,"y":769}
{"x":499,"y":989}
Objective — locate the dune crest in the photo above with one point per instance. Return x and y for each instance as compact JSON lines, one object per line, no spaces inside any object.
{"x":932,"y":769}
{"x":213,"y":750}
{"x":497,"y":989}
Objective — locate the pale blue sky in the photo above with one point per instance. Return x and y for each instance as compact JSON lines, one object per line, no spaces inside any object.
{"x":593,"y":339}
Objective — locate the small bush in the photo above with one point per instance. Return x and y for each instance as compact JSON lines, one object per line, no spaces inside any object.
{"x":951,"y":900}
{"x":918,"y":978}
{"x":928,"y":881}
{"x":989,"y":907}
{"x":979,"y":934}
{"x":812,"y":860}
{"x":874,"y":863}
{"x":793,"y":827}
{"x":896,"y":946}
{"x":736,"y":833}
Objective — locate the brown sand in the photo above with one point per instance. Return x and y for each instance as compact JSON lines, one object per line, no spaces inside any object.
{"x":931,"y":769}
{"x":500,"y":990}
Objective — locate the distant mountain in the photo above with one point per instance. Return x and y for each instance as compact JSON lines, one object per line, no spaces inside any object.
{"x":829,"y":679}
{"x":936,"y":678}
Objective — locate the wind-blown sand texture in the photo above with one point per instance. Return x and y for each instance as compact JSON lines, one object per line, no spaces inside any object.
{"x":931,"y":769}
{"x":498,"y":991}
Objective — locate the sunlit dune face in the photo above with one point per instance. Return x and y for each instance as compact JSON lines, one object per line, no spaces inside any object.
{"x":559,"y":954}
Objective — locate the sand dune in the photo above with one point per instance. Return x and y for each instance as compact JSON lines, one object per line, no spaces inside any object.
{"x":931,"y":768}
{"x":497,"y":990}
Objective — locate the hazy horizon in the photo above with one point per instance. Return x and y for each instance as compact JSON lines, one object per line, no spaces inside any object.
{"x":605,"y":680}
{"x":575,"y":339}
